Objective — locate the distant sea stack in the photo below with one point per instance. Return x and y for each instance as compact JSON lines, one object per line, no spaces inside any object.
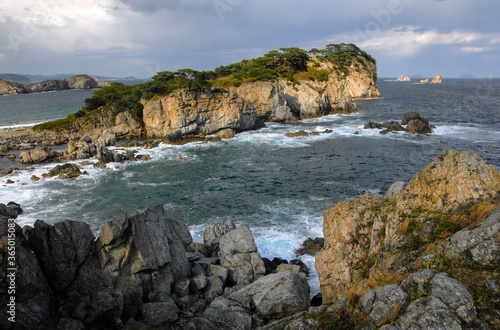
{"x":403,"y":78}
{"x":437,"y":80}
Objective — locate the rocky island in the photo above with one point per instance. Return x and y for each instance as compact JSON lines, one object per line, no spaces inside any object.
{"x":426,"y":254}
{"x":81,"y":81}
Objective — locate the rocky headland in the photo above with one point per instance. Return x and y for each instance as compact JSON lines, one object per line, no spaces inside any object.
{"x":425,"y":255}
{"x":77,"y":82}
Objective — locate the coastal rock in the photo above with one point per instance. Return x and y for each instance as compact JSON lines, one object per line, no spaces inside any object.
{"x":11,"y":88}
{"x":239,"y":254}
{"x":388,"y":300}
{"x":197,"y":113}
{"x":228,"y":314}
{"x":160,"y":313}
{"x":66,"y":171}
{"x":126,"y":126}
{"x":61,"y":249}
{"x":366,"y":237}
{"x":403,"y":78}
{"x":437,"y":80}
{"x":424,"y":81}
{"x":11,"y":210}
{"x":310,"y":246}
{"x":226,"y":133}
{"x":363,"y":83}
{"x":82,"y":81}
{"x":212,"y":235}
{"x":482,"y":241}
{"x":415,"y":124}
{"x":409,"y":116}
{"x":48,"y":86}
{"x":34,"y":299}
{"x":39,"y":155}
{"x":395,"y":189}
{"x":275,"y":296}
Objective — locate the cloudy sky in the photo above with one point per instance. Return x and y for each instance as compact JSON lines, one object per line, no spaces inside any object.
{"x":140,"y":37}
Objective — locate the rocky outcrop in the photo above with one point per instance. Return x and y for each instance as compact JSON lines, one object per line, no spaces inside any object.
{"x":437,"y":80}
{"x":66,"y":171}
{"x":424,"y":81}
{"x":370,"y":242}
{"x":362,"y":83}
{"x":415,"y":124}
{"x":82,"y":81}
{"x":145,"y":268}
{"x":11,"y":88}
{"x":48,"y":86}
{"x":197,"y":113}
{"x":403,"y":78}
{"x":39,"y":155}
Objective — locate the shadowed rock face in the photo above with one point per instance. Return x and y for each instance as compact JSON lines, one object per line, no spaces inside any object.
{"x":48,"y":86}
{"x":371,"y":231}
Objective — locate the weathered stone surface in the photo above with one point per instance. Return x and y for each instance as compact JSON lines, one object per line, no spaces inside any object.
{"x":11,"y":88}
{"x":34,"y":302}
{"x":409,"y":116}
{"x":415,"y":284}
{"x":455,"y":295}
{"x":212,"y":235}
{"x":160,"y":312}
{"x":238,"y":253}
{"x":11,"y":210}
{"x":428,"y":313}
{"x":61,"y":249}
{"x":388,"y":300}
{"x":100,"y":307}
{"x":82,"y":81}
{"x":126,"y":126}
{"x":228,"y":314}
{"x":424,"y":81}
{"x":275,"y":296}
{"x":310,"y":246}
{"x":483,"y":241}
{"x":366,"y":301}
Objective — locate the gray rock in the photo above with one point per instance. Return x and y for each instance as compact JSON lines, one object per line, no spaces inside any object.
{"x":61,"y":249}
{"x":414,"y":285}
{"x":371,"y":125}
{"x":212,"y":234}
{"x":395,"y":189}
{"x":292,"y":268}
{"x":181,"y":287}
{"x":198,"y":282}
{"x":11,"y":210}
{"x":366,"y":301}
{"x":275,"y":296}
{"x":48,"y":86}
{"x":160,"y":313}
{"x":82,"y":81}
{"x":214,"y":288}
{"x":34,"y":297}
{"x":455,"y":295}
{"x":219,"y":271}
{"x":70,"y":324}
{"x":228,"y":314}
{"x":388,"y":301}
{"x":482,"y":241}
{"x":428,"y":313}
{"x":419,"y":126}
{"x":100,"y":307}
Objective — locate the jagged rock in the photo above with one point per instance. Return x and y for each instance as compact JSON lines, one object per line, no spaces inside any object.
{"x":126,"y":126}
{"x":395,"y":189}
{"x":275,"y":296}
{"x":366,"y":301}
{"x":482,"y":241}
{"x":391,"y":126}
{"x":37,"y":156}
{"x":48,"y":86}
{"x":388,"y":300}
{"x":181,"y":287}
{"x":212,"y":235}
{"x":409,"y":116}
{"x":11,"y":210}
{"x":419,"y":126}
{"x":10,"y":170}
{"x":437,"y":80}
{"x":238,"y":253}
{"x":424,"y":81}
{"x":34,"y":300}
{"x":371,"y":124}
{"x":228,"y":314}
{"x":403,"y":78}
{"x":82,"y":81}
{"x":160,"y":312}
{"x":61,"y":249}
{"x":66,"y":171}
{"x":415,"y":284}
{"x":428,"y":313}
{"x":198,"y":282}
{"x":310,"y":246}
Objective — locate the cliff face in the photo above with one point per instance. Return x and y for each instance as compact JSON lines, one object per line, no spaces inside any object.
{"x":11,"y":88}
{"x":362,"y":82}
{"x":370,"y":242}
{"x":245,"y":107}
{"x":192,"y":112}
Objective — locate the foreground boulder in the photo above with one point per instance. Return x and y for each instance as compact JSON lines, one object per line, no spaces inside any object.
{"x":39,"y":155}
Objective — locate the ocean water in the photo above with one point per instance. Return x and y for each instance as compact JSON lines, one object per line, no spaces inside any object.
{"x":277,"y":185}
{"x":30,"y":109}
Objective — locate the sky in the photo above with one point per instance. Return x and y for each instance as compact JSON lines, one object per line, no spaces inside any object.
{"x":121,"y":38}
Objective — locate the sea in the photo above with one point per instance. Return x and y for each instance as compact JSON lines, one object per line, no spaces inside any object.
{"x":276,"y":185}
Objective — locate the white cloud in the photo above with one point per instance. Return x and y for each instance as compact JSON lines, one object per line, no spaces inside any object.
{"x":475,"y":49}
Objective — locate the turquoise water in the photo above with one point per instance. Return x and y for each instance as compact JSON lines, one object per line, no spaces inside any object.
{"x":277,"y":185}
